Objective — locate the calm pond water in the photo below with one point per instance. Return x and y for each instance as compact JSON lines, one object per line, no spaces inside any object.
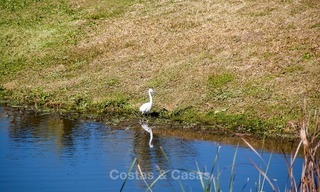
{"x":50,"y":153}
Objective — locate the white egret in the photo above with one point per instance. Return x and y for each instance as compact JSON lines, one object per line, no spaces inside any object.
{"x":146,"y":107}
{"x":146,"y":127}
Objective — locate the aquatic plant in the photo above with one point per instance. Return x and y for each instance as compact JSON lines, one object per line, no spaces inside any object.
{"x":310,"y":175}
{"x":127,"y":175}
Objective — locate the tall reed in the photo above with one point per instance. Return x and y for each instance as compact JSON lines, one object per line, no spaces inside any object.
{"x":310,"y":141}
{"x":310,"y":176}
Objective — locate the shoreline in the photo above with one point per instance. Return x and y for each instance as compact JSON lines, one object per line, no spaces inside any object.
{"x":157,"y":119}
{"x":168,"y":128}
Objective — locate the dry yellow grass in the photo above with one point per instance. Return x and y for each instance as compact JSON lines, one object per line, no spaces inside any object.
{"x":271,"y":48}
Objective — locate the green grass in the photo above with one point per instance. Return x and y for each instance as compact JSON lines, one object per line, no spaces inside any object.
{"x":220,"y":80}
{"x":35,"y":35}
{"x":253,"y":61}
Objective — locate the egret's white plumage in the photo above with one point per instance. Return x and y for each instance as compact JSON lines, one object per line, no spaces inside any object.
{"x":151,"y":137}
{"x":146,"y":107}
{"x":146,"y":127}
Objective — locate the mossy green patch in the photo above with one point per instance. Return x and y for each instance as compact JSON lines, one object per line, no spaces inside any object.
{"x":185,"y":113}
{"x":110,"y":9}
{"x":2,"y":93}
{"x":222,"y":87}
{"x":292,"y":69}
{"x":218,"y":81}
{"x":307,"y":56}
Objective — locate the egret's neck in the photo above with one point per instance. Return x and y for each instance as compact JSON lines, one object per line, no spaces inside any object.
{"x":151,"y":137}
{"x":150,"y":97}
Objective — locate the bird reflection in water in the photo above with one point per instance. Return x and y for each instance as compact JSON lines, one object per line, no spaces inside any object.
{"x":146,"y":127}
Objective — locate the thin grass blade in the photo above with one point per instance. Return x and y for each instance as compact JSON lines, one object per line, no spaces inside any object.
{"x":124,"y":182}
{"x":267,"y":168}
{"x":144,"y":180}
{"x":165,"y":155}
{"x":213,"y":166}
{"x":244,"y":186}
{"x":167,"y":158}
{"x":296,"y":153}
{"x":159,"y":177}
{"x":253,"y":149}
{"x":264,"y":175}
{"x":232,"y":170}
{"x":201,"y":178}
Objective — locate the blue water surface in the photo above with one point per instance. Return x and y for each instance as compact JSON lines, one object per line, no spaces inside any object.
{"x":48,"y":153}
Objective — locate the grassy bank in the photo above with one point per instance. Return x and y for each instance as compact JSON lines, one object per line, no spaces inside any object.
{"x":246,"y":65}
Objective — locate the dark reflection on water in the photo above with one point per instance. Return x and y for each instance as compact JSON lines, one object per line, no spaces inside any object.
{"x":49,"y":153}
